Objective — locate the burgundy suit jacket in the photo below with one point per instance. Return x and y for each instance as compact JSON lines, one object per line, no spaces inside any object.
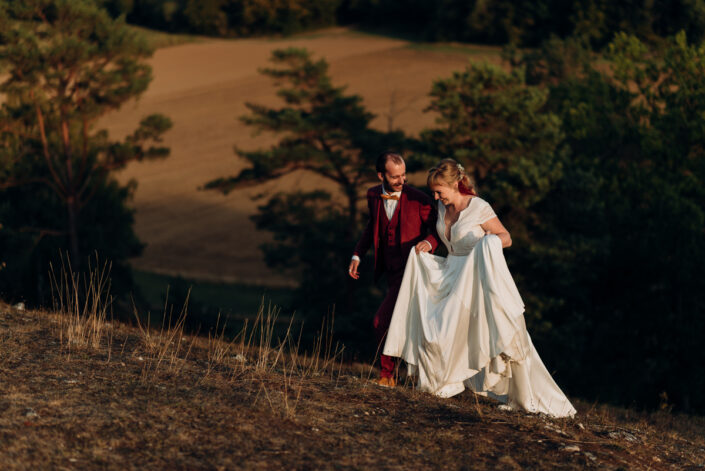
{"x":417,"y":222}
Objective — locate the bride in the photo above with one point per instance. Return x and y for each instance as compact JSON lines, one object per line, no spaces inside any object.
{"x":458,"y":321}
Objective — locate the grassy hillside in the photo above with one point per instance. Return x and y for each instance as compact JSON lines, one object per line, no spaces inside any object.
{"x":82,"y":393}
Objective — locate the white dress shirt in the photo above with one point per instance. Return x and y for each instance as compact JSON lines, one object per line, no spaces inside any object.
{"x":390,"y":205}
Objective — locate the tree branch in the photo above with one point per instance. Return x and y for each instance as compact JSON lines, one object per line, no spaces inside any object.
{"x":342,"y":178}
{"x":41,"y":231}
{"x":45,"y":147}
{"x":15,"y":183}
{"x":9,"y":129}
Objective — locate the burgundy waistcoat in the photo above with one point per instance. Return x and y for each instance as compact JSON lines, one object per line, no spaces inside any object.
{"x":389,"y":239}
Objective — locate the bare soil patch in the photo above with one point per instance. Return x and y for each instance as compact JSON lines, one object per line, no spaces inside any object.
{"x":203,"y":87}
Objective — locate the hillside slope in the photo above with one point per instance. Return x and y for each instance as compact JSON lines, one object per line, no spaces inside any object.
{"x":160,"y":399}
{"x":203,"y":88}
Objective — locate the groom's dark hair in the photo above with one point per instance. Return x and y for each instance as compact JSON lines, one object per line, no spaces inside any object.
{"x":386,"y":156}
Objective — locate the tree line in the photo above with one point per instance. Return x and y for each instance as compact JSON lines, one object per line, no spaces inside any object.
{"x":593,"y":161}
{"x":520,"y":22}
{"x":229,"y":18}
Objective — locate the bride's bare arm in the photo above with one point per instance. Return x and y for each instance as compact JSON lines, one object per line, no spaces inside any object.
{"x":495,"y":226}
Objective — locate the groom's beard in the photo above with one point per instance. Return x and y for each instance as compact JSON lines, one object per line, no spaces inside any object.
{"x":390,"y":188}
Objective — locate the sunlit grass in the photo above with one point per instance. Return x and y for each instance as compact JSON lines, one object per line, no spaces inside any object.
{"x":82,"y":303}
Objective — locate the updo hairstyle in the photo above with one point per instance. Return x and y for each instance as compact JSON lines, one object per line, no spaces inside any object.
{"x":448,"y":172}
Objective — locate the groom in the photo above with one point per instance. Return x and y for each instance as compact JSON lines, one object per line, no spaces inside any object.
{"x":400,"y":218}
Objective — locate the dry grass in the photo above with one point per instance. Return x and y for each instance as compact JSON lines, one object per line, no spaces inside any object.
{"x":254,"y":402}
{"x":167,"y":349}
{"x":83,"y":303}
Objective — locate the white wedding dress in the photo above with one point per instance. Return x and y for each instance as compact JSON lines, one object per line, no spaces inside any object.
{"x":458,"y":322}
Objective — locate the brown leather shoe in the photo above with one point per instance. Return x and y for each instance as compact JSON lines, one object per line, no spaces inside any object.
{"x":386,"y":382}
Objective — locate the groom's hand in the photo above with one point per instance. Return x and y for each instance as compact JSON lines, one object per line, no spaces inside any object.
{"x":352,"y":270}
{"x":423,"y":246}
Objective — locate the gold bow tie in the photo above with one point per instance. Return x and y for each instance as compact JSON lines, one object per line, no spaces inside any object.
{"x":389,"y":197}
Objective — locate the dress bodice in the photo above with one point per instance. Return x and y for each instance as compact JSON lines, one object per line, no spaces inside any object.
{"x":467,"y":230}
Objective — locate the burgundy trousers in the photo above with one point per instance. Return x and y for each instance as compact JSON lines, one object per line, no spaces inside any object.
{"x":383,"y":318}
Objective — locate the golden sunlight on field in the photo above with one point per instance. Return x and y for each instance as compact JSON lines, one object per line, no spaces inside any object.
{"x":203,"y":87}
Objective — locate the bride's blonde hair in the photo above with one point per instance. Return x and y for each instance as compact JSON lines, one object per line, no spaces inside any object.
{"x":448,"y":171}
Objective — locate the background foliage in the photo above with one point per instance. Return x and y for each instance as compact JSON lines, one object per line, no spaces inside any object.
{"x":522,"y":22}
{"x":617,"y":259}
{"x":227,"y":17}
{"x":529,"y":22}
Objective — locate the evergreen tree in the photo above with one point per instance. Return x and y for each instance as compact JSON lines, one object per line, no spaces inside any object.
{"x":325,"y":132}
{"x":495,"y":125}
{"x":67,"y":64}
{"x":618,"y":257}
{"x":204,"y":16}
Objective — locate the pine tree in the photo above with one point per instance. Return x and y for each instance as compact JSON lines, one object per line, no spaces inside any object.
{"x":68,"y":64}
{"x":495,"y":125}
{"x":325,"y":132}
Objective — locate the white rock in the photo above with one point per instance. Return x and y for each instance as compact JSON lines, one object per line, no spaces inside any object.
{"x":629,"y":437}
{"x":19,"y":306}
{"x":555,"y":429}
{"x":616,"y":435}
{"x":571,"y":448}
{"x":241,"y":358}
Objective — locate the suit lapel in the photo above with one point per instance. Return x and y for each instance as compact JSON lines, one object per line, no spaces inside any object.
{"x":400,"y":207}
{"x":378,"y":208}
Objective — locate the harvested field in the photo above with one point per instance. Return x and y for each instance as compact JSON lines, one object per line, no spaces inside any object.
{"x":202,"y":87}
{"x":156,"y":400}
